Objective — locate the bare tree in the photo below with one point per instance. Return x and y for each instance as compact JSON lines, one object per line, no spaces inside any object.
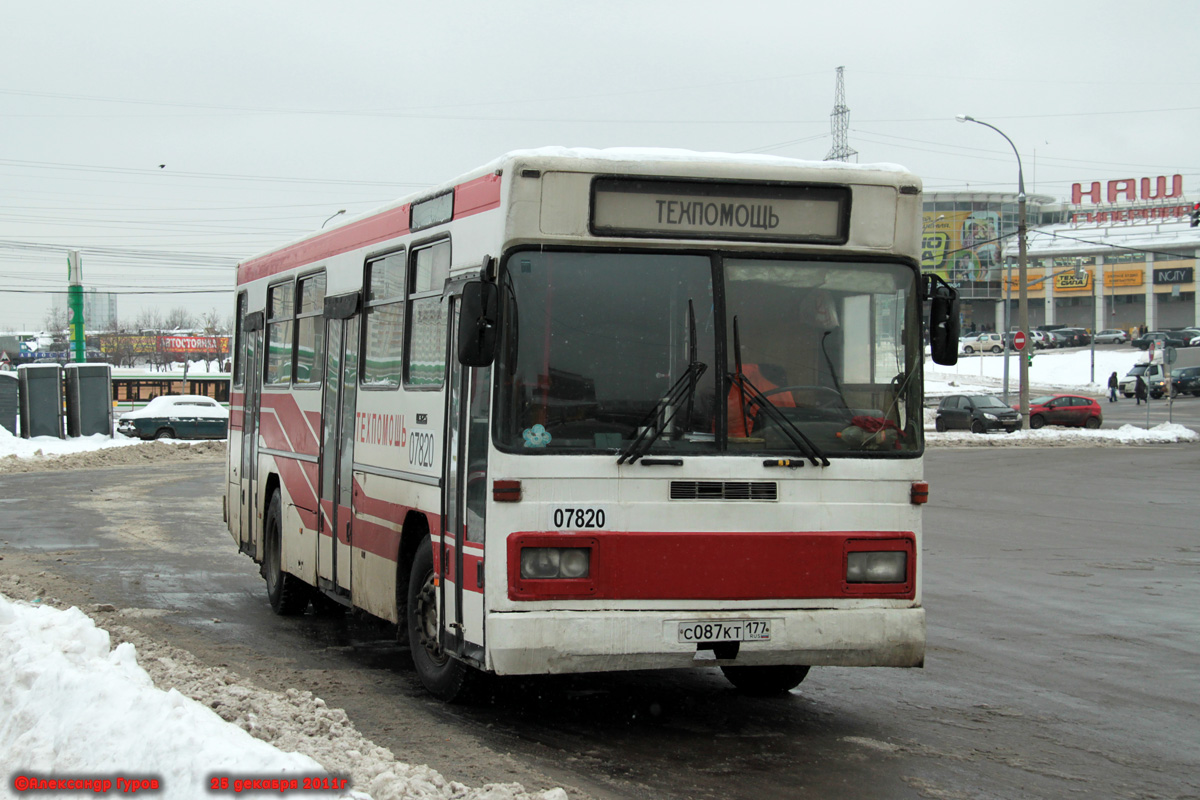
{"x":55,"y":320}
{"x":213,"y":324}
{"x":149,"y":319}
{"x":179,"y":319}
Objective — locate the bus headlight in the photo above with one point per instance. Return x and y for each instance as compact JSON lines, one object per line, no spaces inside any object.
{"x":555,"y":562}
{"x":889,"y":566}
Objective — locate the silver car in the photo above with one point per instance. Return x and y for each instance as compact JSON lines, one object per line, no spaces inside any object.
{"x":1112,"y":336}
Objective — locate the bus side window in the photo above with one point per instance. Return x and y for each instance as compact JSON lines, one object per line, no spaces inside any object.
{"x":383,"y":321}
{"x":425,"y":362}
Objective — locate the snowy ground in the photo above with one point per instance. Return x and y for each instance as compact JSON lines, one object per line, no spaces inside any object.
{"x":1070,"y":371}
{"x":74,"y":707}
{"x":1051,"y":371}
{"x":71,"y":705}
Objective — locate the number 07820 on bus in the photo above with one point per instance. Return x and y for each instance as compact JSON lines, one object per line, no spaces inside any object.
{"x":590,"y":410}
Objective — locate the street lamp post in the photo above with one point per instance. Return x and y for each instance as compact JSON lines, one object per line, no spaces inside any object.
{"x":1022,"y":296}
{"x":334,"y":214}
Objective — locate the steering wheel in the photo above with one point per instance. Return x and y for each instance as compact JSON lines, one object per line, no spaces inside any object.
{"x":826,"y":397}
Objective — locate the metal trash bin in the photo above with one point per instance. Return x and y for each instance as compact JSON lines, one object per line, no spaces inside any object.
{"x":41,"y":400}
{"x":10,"y":391}
{"x":89,"y":399}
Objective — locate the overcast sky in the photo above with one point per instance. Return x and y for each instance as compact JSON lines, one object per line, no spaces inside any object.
{"x":268,"y":117}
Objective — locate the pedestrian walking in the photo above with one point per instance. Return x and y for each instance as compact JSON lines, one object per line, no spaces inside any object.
{"x":1139,"y":391}
{"x":1113,"y":384}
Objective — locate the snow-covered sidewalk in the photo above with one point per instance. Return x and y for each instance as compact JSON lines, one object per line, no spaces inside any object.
{"x":72,"y":707}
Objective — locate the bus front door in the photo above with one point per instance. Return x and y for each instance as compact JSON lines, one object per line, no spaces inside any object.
{"x":248,"y":542}
{"x":335,"y":533}
{"x":464,"y":513}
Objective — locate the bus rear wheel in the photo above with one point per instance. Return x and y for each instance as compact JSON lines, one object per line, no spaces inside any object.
{"x":287,"y":593}
{"x":445,"y":677}
{"x":765,"y":681}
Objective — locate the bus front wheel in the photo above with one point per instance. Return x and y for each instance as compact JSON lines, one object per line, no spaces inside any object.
{"x":445,"y":677}
{"x":765,"y":681}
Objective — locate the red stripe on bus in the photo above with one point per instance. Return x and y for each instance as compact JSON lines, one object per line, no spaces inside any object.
{"x":376,"y":539}
{"x":355,"y":235}
{"x":380,"y":539}
{"x":300,"y":480}
{"x":477,"y":196}
{"x":711,"y":566}
{"x":287,"y":428}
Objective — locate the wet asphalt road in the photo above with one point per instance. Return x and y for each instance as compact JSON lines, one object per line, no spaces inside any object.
{"x":1064,"y":645}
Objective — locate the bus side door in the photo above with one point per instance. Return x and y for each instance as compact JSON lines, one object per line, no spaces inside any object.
{"x":249,"y":540}
{"x":335,"y":531}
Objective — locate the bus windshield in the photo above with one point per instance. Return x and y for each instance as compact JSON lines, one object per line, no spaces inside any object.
{"x":598,"y":348}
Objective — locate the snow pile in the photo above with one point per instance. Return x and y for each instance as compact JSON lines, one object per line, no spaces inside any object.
{"x":51,"y":453}
{"x":68,"y":704}
{"x":1124,"y":436}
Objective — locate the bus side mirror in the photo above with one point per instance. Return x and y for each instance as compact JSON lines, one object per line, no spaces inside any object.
{"x":477,"y":324}
{"x":943,"y":322}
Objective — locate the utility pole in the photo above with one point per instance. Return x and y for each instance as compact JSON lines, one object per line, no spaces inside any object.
{"x":839,"y":123}
{"x":75,"y":306}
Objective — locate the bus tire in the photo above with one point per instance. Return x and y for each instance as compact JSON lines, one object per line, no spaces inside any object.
{"x":765,"y":681}
{"x":445,"y":677}
{"x":287,"y":593}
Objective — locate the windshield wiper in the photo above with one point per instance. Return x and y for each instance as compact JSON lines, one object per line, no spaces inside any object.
{"x":804,"y":444}
{"x":667,"y":408}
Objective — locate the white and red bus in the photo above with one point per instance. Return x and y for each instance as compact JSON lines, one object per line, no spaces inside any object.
{"x":589,"y":410}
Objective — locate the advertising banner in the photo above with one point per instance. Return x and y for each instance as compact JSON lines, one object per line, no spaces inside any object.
{"x":1124,"y":277}
{"x":111,"y":343}
{"x":1173,"y":275}
{"x":194,"y":344}
{"x":962,"y":245}
{"x":1070,"y":282}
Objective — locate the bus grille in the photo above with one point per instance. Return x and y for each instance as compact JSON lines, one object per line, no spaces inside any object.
{"x":724,"y":490}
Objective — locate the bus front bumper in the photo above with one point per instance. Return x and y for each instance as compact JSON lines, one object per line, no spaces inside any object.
{"x":534,"y":642}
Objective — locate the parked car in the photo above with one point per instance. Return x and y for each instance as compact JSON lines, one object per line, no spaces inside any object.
{"x":1160,"y":338}
{"x":1076,"y":337}
{"x":1056,"y":340}
{"x":1041,"y":340}
{"x":177,"y":416}
{"x":976,"y":413}
{"x":1112,"y":336}
{"x":1186,"y":335}
{"x":1065,"y":409}
{"x":1185,"y":380}
{"x":983,"y":343}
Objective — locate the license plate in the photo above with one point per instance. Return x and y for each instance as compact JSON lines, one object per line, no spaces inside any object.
{"x":731,"y":630}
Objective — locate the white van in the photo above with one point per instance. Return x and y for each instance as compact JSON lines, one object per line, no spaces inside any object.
{"x":1152,"y":374}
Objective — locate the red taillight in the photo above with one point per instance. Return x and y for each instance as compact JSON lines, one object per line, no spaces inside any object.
{"x":506,"y":491}
{"x":920,"y":493}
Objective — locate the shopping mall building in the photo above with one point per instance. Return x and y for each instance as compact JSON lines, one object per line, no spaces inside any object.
{"x":1116,"y":254}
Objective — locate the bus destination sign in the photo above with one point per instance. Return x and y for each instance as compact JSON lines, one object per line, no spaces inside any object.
{"x":712,"y":210}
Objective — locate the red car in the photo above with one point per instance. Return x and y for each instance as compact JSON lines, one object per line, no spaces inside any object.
{"x":1064,"y":409}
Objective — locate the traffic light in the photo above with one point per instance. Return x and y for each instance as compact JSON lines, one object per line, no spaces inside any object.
{"x":1195,"y":214}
